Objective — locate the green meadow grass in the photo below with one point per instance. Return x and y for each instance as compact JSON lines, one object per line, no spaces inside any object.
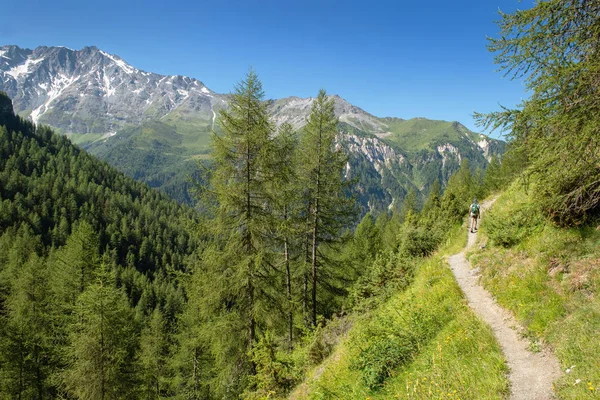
{"x":419,"y":133}
{"x":423,"y":343}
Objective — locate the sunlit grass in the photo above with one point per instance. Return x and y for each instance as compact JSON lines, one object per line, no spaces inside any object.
{"x":550,"y":279}
{"x":442,"y":350}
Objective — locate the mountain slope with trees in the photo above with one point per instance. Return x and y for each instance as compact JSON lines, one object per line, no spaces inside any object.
{"x":87,"y":256}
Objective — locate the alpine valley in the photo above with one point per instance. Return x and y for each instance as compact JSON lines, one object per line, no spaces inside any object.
{"x":158,"y":128}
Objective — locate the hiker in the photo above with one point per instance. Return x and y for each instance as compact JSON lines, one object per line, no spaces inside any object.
{"x":474,"y":211}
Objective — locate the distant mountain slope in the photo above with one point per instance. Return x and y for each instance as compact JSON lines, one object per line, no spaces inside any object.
{"x":156,"y":127}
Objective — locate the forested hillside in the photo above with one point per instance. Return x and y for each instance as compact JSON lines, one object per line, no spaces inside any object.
{"x":89,"y":260}
{"x":538,"y":249}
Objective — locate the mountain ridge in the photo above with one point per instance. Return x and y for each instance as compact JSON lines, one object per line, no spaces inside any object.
{"x":112,"y":109}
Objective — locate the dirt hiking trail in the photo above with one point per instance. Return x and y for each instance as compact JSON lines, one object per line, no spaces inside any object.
{"x":531,"y":374}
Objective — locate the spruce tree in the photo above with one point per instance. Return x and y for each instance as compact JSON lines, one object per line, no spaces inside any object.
{"x":433,"y":199}
{"x":458,"y":194}
{"x":409,"y":204}
{"x":492,"y":180}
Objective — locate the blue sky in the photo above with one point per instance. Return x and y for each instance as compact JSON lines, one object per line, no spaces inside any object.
{"x":406,"y":59}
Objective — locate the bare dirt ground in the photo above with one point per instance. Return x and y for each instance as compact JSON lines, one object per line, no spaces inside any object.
{"x":531,"y":374}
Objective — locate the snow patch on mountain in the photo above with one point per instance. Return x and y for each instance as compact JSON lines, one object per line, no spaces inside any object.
{"x":58,"y":86}
{"x":23,"y":69}
{"x":108,"y":89}
{"x":2,"y":54}
{"x":122,"y":64}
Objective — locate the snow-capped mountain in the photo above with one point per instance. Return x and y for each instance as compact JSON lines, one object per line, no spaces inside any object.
{"x":91,"y":91}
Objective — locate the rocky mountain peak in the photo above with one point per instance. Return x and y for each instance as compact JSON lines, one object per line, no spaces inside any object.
{"x":92,"y":91}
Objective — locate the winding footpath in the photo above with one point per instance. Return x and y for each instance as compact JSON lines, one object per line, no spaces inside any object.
{"x":531,"y":374}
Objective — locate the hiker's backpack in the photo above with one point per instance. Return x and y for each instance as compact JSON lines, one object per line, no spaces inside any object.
{"x":474,"y":209}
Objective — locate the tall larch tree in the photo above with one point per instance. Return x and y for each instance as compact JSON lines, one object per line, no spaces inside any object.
{"x":286,"y":209}
{"x":238,"y":265}
{"x":26,"y":352}
{"x":102,"y":344}
{"x":321,"y":166}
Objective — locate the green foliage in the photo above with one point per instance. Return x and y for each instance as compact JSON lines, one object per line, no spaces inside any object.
{"x":390,"y":226}
{"x":236,"y":272}
{"x":102,"y":344}
{"x":365,"y":244}
{"x":154,"y":358}
{"x":275,"y":371}
{"x":51,"y":185}
{"x":27,"y":357}
{"x":324,"y":338}
{"x":63,"y":214}
{"x":410,"y":204}
{"x":458,"y":194}
{"x":434,"y":198}
{"x":513,"y":219}
{"x":386,"y":350}
{"x":394,"y":338}
{"x":320,"y":176}
{"x":493,"y":180}
{"x":389,"y":273}
{"x":558,"y":125}
{"x":107,"y":289}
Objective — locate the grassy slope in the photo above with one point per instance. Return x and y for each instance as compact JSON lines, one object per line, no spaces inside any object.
{"x":418,"y":133}
{"x":158,"y":153}
{"x":550,"y":279}
{"x":446,"y":351}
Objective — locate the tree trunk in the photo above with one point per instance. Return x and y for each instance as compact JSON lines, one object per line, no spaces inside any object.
{"x":249,"y":253}
{"x":314,"y":260}
{"x":305,"y":269}
{"x":286,"y":255}
{"x":102,"y":350}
